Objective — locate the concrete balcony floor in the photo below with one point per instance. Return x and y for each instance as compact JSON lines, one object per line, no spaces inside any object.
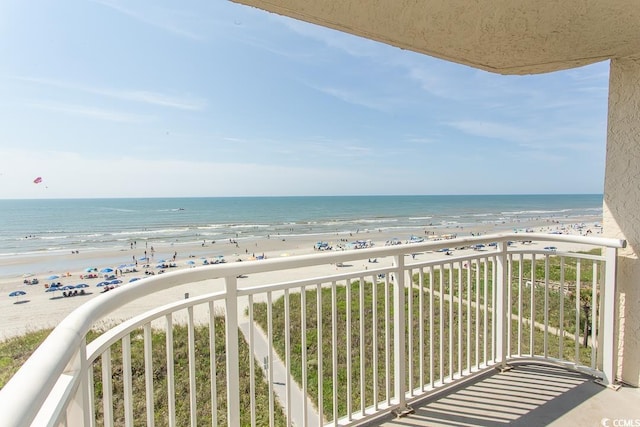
{"x":527,"y":395}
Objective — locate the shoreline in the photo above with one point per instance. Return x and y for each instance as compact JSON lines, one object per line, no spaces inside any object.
{"x":73,"y":259}
{"x":39,"y":309}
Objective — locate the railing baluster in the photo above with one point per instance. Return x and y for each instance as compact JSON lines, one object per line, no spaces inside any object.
{"x":213,"y":372}
{"x":451,"y":328}
{"x":334,"y":354}
{"x":532,"y":308}
{"x":509,"y":296}
{"x":287,"y":356}
{"x":459,"y":320}
{"x":469,"y":296}
{"x":561,"y":320}
{"x":431,"y":332}
{"x":409,"y":321}
{"x":193,"y":410}
{"x":80,"y":406}
{"x":421,"y":343}
{"x":477,"y":289}
{"x":485,"y":319}
{"x":594,"y":315}
{"x":107,"y":388}
{"x":270,"y":357}
{"x":148,"y":370}
{"x":576,"y":334}
{"x":90,"y":414}
{"x":127,"y":380}
{"x":233,"y":354}
{"x":494,"y":314}
{"x":441,"y":324}
{"x":361,"y":339}
{"x":387,"y":340}
{"x":319,"y":318}
{"x":608,"y":314}
{"x":520,"y":290}
{"x":374,"y":322}
{"x":303,"y":347}
{"x":546,"y":306}
{"x":349,"y":352}
{"x":399,"y":342}
{"x":500,"y":309}
{"x":171,"y":393}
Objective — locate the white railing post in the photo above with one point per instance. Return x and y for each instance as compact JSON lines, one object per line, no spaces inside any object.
{"x":500,"y":312}
{"x":233,"y":356}
{"x":609,"y":353}
{"x":78,"y":410}
{"x":399,"y":341}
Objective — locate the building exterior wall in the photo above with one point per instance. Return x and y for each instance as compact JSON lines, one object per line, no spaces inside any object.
{"x":622,"y":206}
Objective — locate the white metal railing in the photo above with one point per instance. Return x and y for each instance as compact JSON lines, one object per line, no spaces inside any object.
{"x":362,"y":343}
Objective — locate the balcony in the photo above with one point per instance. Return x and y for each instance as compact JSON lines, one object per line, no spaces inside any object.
{"x":437,"y":338}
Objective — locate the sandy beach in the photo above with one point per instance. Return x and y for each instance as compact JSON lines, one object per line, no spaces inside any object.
{"x":40,"y":309}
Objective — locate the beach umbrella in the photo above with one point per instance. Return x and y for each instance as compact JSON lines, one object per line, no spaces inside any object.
{"x":133,"y":279}
{"x":144,"y":258}
{"x":115,"y":282}
{"x":53,"y":289}
{"x":53,"y":277}
{"x":90,"y":269}
{"x":66,"y":288}
{"x":17,"y":294}
{"x":106,"y":270}
{"x":81,"y":285}
{"x":191,"y":262}
{"x":101,"y":284}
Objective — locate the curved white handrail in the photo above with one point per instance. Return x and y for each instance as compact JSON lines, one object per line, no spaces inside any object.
{"x":27,"y":391}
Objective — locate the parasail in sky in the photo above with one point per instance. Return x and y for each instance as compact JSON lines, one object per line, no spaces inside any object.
{"x":38,"y":180}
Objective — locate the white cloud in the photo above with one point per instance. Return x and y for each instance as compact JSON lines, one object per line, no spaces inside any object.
{"x":493,"y":130}
{"x":420,"y":140}
{"x":154,"y":17}
{"x":350,"y":44}
{"x":142,"y":96}
{"x":355,"y":98}
{"x":91,"y":112}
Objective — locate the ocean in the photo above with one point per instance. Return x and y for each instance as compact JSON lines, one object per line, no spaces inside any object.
{"x":49,"y":226}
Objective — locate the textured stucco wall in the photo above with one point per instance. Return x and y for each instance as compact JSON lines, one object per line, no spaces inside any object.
{"x":622,"y":205}
{"x":503,"y":36}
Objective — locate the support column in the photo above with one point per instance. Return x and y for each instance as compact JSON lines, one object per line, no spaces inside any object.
{"x":622,"y":207}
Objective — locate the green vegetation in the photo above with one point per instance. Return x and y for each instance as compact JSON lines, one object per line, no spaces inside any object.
{"x":15,"y":351}
{"x":453,"y":340}
{"x":437,"y":311}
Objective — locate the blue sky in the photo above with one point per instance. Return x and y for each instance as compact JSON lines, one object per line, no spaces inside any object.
{"x":111,"y":98}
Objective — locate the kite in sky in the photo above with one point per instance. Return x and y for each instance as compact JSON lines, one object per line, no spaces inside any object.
{"x":38,"y":180}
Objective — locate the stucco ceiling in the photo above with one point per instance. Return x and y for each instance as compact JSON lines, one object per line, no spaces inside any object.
{"x":502,"y":36}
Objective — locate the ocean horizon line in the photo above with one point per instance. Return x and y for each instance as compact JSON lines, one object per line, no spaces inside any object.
{"x":307,"y":196}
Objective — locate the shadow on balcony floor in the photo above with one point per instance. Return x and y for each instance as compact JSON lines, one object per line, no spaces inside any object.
{"x":528,"y":395}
